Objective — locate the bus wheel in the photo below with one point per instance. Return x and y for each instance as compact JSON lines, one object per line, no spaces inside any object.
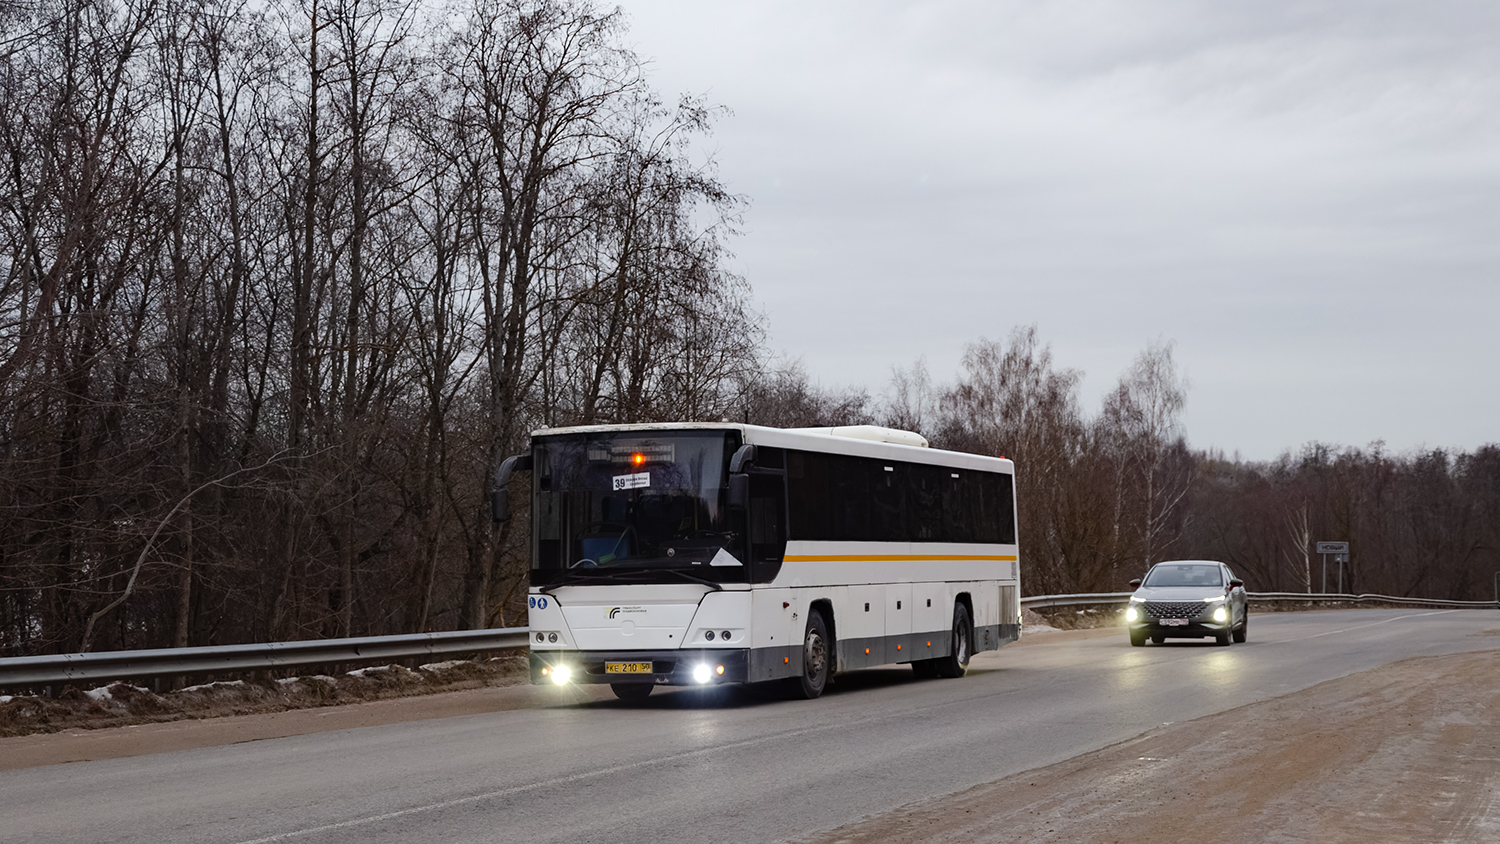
{"x":924,"y":669}
{"x":957,"y":663}
{"x":631,"y":691}
{"x":817,"y":658}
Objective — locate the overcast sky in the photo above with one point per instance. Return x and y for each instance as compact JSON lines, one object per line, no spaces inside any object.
{"x":1305,"y":197}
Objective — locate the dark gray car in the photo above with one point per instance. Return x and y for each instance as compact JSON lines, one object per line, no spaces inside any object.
{"x":1187,"y":599}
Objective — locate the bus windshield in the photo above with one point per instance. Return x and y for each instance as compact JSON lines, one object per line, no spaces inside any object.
{"x":634,"y":506}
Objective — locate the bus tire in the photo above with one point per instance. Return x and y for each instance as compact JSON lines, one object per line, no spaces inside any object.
{"x":924,"y":669}
{"x":631,"y":691}
{"x":817,"y":658}
{"x":956,"y":663}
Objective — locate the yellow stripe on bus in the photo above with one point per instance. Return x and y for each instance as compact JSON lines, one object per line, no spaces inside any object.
{"x":888,"y":558}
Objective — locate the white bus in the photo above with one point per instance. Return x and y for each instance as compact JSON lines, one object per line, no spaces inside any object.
{"x":699,"y":554}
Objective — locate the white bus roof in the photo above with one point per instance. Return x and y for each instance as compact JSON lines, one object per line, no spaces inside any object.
{"x":855,"y":440}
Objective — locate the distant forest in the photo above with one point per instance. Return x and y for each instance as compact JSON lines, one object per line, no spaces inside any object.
{"x":280,"y":284}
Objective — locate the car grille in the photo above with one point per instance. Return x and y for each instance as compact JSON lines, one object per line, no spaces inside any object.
{"x":1174,"y":609}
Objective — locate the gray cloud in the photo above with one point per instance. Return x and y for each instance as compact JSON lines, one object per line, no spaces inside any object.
{"x":1304,"y":196}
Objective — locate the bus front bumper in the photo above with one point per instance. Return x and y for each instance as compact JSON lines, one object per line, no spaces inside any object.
{"x":689,"y":667}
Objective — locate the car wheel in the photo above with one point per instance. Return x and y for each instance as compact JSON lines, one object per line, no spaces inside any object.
{"x":1137,"y":638}
{"x":1239,"y":635}
{"x":1157,"y":638}
{"x":817,"y":658}
{"x":1222,"y":638}
{"x":631,"y":691}
{"x":957,"y":662}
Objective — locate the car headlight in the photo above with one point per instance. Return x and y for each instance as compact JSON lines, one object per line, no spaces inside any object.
{"x":1137,"y":599}
{"x":1132,"y":615}
{"x":1214,"y":600}
{"x":1221,"y":614}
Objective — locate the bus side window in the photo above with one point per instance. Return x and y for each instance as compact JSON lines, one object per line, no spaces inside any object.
{"x":767,"y":525}
{"x":958,"y":505}
{"x":852,"y":505}
{"x":810,"y":496}
{"x":924,"y":502}
{"x":1005,"y":508}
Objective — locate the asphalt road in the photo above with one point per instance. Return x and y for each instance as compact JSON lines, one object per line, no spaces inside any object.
{"x":723,"y":766}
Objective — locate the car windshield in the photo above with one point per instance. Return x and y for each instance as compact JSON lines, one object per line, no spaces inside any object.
{"x":1175,"y":574}
{"x":638,"y":505}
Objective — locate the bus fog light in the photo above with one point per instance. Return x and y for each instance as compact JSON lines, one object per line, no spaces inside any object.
{"x":561,"y":674}
{"x":702,"y":674}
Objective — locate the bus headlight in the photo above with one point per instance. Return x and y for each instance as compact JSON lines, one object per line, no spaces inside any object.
{"x":1132,"y":615}
{"x":561,"y":674}
{"x":702,"y":673}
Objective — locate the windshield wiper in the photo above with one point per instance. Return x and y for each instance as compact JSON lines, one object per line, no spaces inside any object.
{"x":570,"y":579}
{"x":616,"y":577}
{"x":693,"y":577}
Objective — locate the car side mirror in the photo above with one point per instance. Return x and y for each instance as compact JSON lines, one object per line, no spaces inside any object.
{"x":739,"y":491}
{"x":1135,"y":584}
{"x":1236,"y":584}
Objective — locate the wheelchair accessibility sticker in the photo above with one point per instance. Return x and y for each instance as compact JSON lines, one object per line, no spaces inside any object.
{"x":537,"y":603}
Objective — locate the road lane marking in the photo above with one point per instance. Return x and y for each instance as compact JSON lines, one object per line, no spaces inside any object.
{"x":520,"y":789}
{"x":1361,"y":626}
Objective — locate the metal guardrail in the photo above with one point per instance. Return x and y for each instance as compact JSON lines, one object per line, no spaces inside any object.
{"x":1096,"y":598}
{"x":1076,"y":600}
{"x":166,"y":662}
{"x":169,"y":662}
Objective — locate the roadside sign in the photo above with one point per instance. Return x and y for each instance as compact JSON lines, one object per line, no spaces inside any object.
{"x":1333,"y":547}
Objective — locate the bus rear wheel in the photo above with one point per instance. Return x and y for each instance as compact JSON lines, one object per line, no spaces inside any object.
{"x":817,"y":658}
{"x":956,"y":663}
{"x":631,"y":691}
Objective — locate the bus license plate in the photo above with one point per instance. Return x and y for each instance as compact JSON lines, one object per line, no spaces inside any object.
{"x":627,"y":668}
{"x":1174,"y":622}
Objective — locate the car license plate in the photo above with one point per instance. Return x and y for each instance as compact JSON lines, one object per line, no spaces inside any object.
{"x":1174,"y":622}
{"x":627,"y":668}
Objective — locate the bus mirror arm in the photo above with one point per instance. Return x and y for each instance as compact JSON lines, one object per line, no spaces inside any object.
{"x":739,"y":491}
{"x":500,"y":495}
{"x":743,"y":457}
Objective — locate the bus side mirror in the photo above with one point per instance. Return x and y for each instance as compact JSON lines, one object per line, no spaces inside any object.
{"x":1135,"y":584}
{"x":500,"y":495}
{"x":739,"y":492}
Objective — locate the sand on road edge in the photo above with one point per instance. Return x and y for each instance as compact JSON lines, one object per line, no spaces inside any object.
{"x":1406,"y":752}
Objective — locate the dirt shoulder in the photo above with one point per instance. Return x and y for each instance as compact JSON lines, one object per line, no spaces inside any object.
{"x":1406,"y":752}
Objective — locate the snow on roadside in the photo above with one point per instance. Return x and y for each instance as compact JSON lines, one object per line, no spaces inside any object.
{"x":445,"y":665}
{"x":214,"y":686}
